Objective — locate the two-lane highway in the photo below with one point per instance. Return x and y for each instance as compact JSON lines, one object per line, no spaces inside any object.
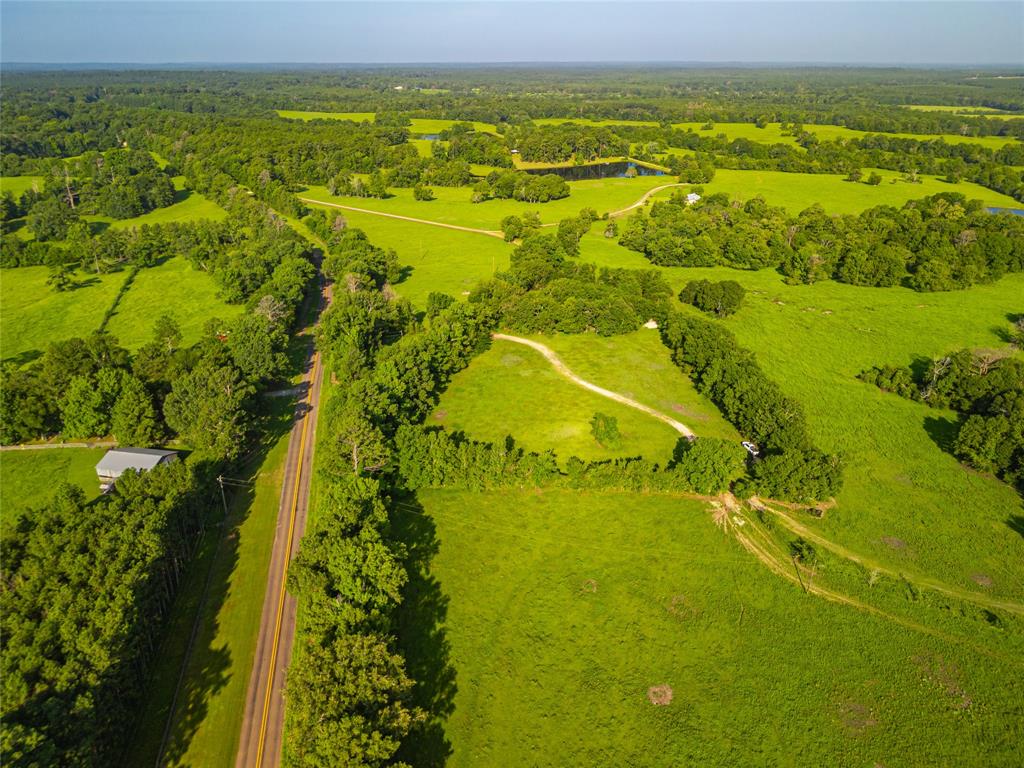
{"x":263,"y":722}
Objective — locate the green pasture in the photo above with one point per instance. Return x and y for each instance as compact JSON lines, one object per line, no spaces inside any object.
{"x":424,"y":146}
{"x":797,"y":191}
{"x":188,"y":205}
{"x":417,"y":126}
{"x":302,"y":114}
{"x":638,"y":366}
{"x":19,"y":185}
{"x":772,"y":133}
{"x":422,"y":125}
{"x":33,"y":314}
{"x":905,"y":501}
{"x":452,"y":204}
{"x":513,"y":390}
{"x":968,"y":111}
{"x":436,"y":259}
{"x":176,"y":288}
{"x":29,"y":478}
{"x":585,"y":121}
{"x":540,"y":620}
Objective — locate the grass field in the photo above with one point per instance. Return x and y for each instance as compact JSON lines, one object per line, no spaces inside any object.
{"x":300,"y":114}
{"x":437,"y":259}
{"x":174,"y":287}
{"x":772,"y":134}
{"x":19,"y":185}
{"x":544,"y":618}
{"x":417,"y":126}
{"x":33,"y":314}
{"x":797,"y":191}
{"x":966,"y":111}
{"x":905,"y":500}
{"x":29,"y":478}
{"x":453,"y":205}
{"x":188,"y":205}
{"x":593,"y":123}
{"x":513,"y":390}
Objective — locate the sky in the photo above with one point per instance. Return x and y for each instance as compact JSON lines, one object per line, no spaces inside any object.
{"x":762,"y":31}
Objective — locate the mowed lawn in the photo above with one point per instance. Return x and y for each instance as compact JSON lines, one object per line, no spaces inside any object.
{"x":905,"y":501}
{"x":545,"y":618}
{"x":29,"y":478}
{"x":175,"y":287}
{"x":798,"y":191}
{"x":512,"y":390}
{"x":33,"y":314}
{"x":453,"y":205}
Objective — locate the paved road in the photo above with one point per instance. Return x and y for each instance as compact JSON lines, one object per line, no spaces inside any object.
{"x":565,"y":371}
{"x":263,"y":721}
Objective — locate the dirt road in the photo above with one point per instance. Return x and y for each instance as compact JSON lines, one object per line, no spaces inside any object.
{"x":565,"y":371}
{"x":489,"y":232}
{"x":460,"y":228}
{"x":263,"y":721}
{"x":643,"y":199}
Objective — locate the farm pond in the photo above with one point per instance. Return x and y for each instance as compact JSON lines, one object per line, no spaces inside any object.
{"x":618,"y":169}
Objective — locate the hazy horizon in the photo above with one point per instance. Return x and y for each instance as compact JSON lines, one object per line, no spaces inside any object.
{"x":224,"y":33}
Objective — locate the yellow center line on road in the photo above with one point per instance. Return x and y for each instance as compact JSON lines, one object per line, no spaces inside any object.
{"x":287,"y":560}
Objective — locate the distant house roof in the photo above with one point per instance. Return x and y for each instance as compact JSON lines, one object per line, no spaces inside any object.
{"x":117,"y":460}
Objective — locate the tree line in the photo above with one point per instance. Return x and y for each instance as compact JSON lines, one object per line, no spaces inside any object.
{"x":986,"y":388}
{"x":89,"y":584}
{"x":349,"y":695}
{"x":938,"y":243}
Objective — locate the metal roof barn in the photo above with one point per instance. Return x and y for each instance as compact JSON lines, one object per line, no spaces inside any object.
{"x":118,"y":460}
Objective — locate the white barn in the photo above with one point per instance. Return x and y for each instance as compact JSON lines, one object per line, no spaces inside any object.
{"x":117,"y":461}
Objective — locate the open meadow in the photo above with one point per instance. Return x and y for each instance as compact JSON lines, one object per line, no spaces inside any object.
{"x":569,"y":628}
{"x":35,"y":315}
{"x":453,"y":204}
{"x":797,"y":191}
{"x":28,"y":478}
{"x":176,"y":288}
{"x":906,"y":500}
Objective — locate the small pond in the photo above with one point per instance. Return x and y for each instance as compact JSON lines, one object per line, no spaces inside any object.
{"x":1014,"y":211}
{"x":612,"y":170}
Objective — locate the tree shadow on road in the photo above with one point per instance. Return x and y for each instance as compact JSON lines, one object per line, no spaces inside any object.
{"x":422,"y":638}
{"x":210,"y":665}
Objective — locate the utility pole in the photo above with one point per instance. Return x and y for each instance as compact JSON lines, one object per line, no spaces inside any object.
{"x":801,"y":578}
{"x":223,"y":498}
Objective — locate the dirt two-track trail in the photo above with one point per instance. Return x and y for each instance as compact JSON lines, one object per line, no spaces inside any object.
{"x":263,"y":721}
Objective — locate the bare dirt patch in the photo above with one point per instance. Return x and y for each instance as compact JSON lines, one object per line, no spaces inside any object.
{"x":946,"y":676}
{"x":680,"y":607}
{"x":660,"y":695}
{"x":893,"y":543}
{"x":981,"y":579}
{"x":855,"y":717}
{"x":589,"y":586}
{"x":440,"y":414}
